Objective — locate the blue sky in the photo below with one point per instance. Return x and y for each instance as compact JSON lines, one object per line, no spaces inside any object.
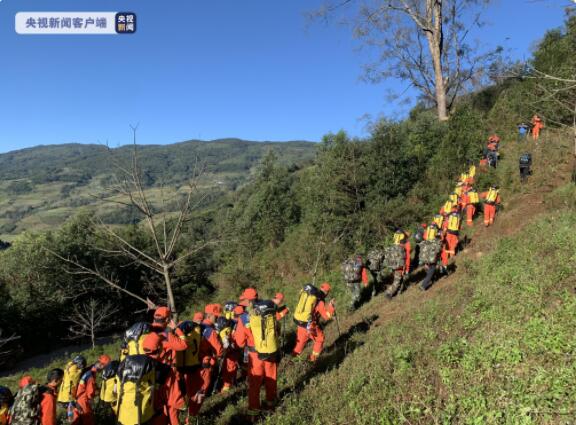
{"x":206,"y":69}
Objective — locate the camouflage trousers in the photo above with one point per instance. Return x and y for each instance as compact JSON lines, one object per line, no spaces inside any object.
{"x":356,"y":292}
{"x":396,"y":283}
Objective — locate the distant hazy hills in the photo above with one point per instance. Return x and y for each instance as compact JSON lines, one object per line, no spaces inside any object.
{"x":41,"y":187}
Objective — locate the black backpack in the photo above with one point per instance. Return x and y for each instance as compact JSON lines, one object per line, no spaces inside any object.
{"x":525,"y":160}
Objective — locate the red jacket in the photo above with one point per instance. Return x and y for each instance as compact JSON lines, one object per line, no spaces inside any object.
{"x":86,"y":387}
{"x":323,"y":310}
{"x":171,"y":343}
{"x":48,"y":406}
{"x":210,"y":344}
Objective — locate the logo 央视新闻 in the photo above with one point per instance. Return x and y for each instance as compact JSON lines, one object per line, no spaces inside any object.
{"x":125,"y":23}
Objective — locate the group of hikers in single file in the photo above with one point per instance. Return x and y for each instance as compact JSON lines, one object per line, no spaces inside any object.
{"x":166,"y":369}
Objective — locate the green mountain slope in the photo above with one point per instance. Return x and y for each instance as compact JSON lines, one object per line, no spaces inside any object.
{"x":41,"y":187}
{"x":492,"y":343}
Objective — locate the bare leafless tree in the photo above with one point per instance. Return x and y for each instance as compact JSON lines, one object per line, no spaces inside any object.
{"x":163,"y":225}
{"x":91,"y":318}
{"x":423,"y":42}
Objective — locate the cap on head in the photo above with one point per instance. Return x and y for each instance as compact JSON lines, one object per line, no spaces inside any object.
{"x":325,"y":287}
{"x":152,"y":342}
{"x":104,"y":359}
{"x":198,"y":316}
{"x":249,"y":294}
{"x":25,"y":380}
{"x":279,"y":297}
{"x":215,"y":309}
{"x":238,"y":310}
{"x":162,"y":313}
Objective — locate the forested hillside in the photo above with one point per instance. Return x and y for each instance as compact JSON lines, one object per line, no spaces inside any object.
{"x":491,"y":343}
{"x":43,"y":186}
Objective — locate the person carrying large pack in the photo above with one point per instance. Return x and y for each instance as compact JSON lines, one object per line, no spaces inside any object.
{"x":140,"y":380}
{"x":374,"y":263}
{"x":232,"y":354}
{"x":172,"y":340}
{"x":258,"y":331}
{"x":491,"y":200}
{"x":108,"y":391}
{"x":87,"y":390}
{"x":26,"y":407}
{"x":525,"y":163}
{"x":355,"y":276}
{"x":397,"y":258}
{"x":210,"y":349}
{"x":451,"y":239}
{"x":310,"y":315}
{"x":470,"y":200}
{"x":430,"y":250}
{"x":133,"y":339}
{"x":72,"y":374}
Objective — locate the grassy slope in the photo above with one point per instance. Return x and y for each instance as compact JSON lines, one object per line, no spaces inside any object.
{"x":54,"y":172}
{"x":492,"y":343}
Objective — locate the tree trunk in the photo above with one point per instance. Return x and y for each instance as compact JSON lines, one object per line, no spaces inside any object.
{"x":171,"y":303}
{"x":435,"y":38}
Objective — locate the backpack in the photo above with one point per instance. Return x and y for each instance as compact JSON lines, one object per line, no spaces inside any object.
{"x":134,"y":337}
{"x":107,"y":393}
{"x":6,"y":397}
{"x":352,"y":270}
{"x":136,"y":382}
{"x":72,"y":375}
{"x":492,"y":158}
{"x":26,"y":407}
{"x":262,"y":323}
{"x":473,"y":197}
{"x":229,"y":309}
{"x":492,"y":196}
{"x":394,"y":257}
{"x":525,"y":160}
{"x":454,"y":222}
{"x":309,"y":296}
{"x":193,"y":334}
{"x":375,"y":258}
{"x":429,"y":251}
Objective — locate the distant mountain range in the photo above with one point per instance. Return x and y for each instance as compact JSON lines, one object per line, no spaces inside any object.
{"x":41,"y":187}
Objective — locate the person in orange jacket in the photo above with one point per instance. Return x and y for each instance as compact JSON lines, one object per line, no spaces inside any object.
{"x":469,"y":202}
{"x":537,"y":125}
{"x":491,"y":200}
{"x":452,"y":237}
{"x":210,"y":351}
{"x":153,"y":347}
{"x":233,"y":354}
{"x":314,"y":330}
{"x":87,"y":391}
{"x":262,"y":368}
{"x":48,"y":396}
{"x":172,"y":340}
{"x":400,"y":238}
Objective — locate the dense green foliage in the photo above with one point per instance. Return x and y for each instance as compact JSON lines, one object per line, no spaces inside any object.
{"x":470,"y":357}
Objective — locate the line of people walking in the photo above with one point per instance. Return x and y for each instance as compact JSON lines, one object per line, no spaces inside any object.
{"x":165,"y":370}
{"x":435,"y":242}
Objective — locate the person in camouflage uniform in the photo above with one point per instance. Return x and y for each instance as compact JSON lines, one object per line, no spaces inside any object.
{"x":356,"y":277}
{"x":394,"y":253}
{"x":374,"y":264}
